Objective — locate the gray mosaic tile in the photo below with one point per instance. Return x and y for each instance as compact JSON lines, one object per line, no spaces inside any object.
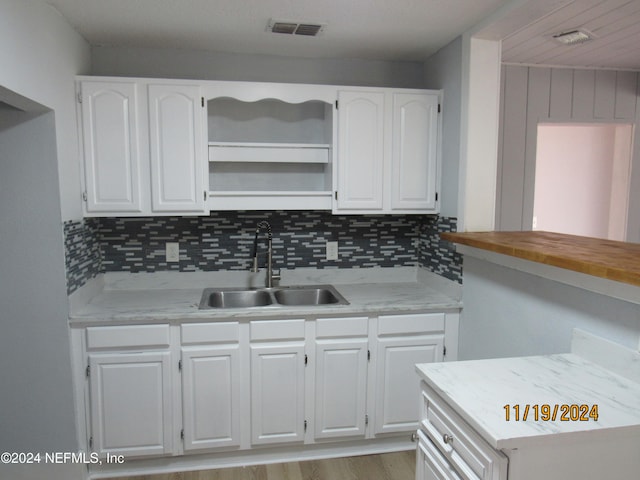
{"x":224,"y":240}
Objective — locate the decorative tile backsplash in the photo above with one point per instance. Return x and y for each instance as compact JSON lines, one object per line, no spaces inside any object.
{"x":82,"y":253}
{"x":438,"y":255}
{"x":224,"y":240}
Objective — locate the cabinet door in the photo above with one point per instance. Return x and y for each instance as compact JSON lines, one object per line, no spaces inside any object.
{"x":111,"y":150}
{"x":415,"y":152}
{"x":211,"y":397}
{"x":397,"y":385}
{"x":277,"y":393}
{"x":131,"y":406}
{"x":341,"y":387}
{"x":360,"y":150}
{"x":177,"y":148}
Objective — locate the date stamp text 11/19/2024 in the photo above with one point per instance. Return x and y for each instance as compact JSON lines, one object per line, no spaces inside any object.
{"x":550,"y":413}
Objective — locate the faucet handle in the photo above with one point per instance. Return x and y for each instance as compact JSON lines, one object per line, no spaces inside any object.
{"x":254,"y":266}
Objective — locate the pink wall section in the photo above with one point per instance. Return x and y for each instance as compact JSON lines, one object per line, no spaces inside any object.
{"x":576,"y":190}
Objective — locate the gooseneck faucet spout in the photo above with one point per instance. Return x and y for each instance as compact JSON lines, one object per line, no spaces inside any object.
{"x":270,"y":276}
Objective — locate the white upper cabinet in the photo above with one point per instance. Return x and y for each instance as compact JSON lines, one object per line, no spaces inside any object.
{"x":144,"y":147}
{"x":177,"y":148}
{"x":388,"y":151}
{"x":360,"y":150}
{"x":414,"y":165}
{"x":184,"y":147}
{"x":111,"y":149}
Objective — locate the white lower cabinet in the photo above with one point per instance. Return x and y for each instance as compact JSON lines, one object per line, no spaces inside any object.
{"x":430,"y":464}
{"x":211,"y":374}
{"x":402,"y":342}
{"x":131,"y":403}
{"x":130,"y":390}
{"x":277,"y":381}
{"x":448,"y":448}
{"x":341,"y":353}
{"x":224,"y":386}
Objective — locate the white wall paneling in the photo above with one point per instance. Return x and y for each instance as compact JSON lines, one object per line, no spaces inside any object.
{"x":533,"y":95}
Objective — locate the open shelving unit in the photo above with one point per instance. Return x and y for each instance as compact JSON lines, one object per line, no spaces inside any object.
{"x":269,"y":154}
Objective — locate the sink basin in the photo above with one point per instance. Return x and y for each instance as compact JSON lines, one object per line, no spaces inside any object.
{"x":312,"y":295}
{"x":307,"y":296}
{"x":221,"y":298}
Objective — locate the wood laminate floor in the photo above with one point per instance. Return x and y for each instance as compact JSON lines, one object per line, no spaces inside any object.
{"x":388,"y":466}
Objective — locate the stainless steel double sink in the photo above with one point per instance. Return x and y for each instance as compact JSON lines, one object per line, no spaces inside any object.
{"x":307,"y":295}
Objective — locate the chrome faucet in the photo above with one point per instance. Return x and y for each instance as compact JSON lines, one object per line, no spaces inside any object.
{"x":270,"y":276}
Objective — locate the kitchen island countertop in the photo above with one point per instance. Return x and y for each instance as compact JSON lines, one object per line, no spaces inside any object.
{"x":493,"y":394}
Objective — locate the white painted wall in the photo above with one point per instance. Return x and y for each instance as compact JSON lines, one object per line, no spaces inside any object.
{"x":479,"y":134}
{"x":203,"y":65}
{"x":37,"y":413}
{"x":443,"y":70}
{"x":40,"y":54}
{"x":508,"y":313}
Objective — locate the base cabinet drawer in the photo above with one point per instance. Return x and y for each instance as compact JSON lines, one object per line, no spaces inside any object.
{"x":467,"y":453}
{"x":430,"y":464}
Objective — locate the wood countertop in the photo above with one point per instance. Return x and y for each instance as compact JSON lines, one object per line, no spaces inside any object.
{"x":612,"y":260}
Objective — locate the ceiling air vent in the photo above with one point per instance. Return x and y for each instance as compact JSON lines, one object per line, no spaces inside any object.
{"x":573,"y":37}
{"x":295,"y":28}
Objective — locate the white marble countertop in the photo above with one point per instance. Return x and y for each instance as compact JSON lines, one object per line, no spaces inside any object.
{"x":478,"y":391}
{"x":137,"y":299}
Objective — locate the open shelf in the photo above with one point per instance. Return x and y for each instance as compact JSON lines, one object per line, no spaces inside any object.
{"x":269,"y":152}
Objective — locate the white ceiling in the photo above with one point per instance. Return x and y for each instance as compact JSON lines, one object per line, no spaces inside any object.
{"x":401,"y":30}
{"x":614,"y":23}
{"x":408,"y":30}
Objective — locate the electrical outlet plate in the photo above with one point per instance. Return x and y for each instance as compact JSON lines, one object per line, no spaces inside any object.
{"x":332,"y":251}
{"x":173,"y":252}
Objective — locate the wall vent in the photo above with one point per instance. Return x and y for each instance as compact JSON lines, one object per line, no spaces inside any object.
{"x":308,"y":29}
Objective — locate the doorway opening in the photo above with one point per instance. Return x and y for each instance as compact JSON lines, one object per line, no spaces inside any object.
{"x":582,"y":179}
